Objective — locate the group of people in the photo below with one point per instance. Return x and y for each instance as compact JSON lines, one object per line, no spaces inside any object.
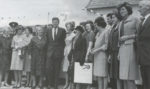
{"x":118,"y":48}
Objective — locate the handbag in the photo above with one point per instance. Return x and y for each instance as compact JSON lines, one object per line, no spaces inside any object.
{"x":83,"y":74}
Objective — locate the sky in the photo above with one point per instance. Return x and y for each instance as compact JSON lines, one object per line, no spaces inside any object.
{"x":32,"y":12}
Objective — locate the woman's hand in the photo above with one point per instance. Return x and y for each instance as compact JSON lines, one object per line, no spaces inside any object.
{"x":123,"y":38}
{"x":94,"y":51}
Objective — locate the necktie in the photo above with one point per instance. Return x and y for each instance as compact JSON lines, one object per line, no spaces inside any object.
{"x":55,"y":33}
{"x":122,"y":29}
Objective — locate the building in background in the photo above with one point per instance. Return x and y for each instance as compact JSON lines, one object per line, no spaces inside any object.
{"x":102,"y":7}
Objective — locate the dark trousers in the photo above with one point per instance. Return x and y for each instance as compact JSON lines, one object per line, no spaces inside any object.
{"x":113,"y":83}
{"x":145,"y":71}
{"x":52,"y":71}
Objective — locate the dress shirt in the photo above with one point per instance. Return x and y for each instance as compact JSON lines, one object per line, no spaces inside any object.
{"x":53,"y":32}
{"x":146,"y":17}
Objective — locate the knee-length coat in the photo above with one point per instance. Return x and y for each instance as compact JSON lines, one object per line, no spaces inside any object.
{"x":129,"y":69}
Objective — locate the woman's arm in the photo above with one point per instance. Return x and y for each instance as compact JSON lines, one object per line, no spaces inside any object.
{"x":88,"y":50}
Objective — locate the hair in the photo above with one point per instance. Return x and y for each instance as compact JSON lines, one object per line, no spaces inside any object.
{"x":30,"y":29}
{"x":110,"y":15}
{"x":91,"y":24}
{"x":127,"y":6}
{"x":100,"y":22}
{"x":71,"y":24}
{"x":83,"y":24}
{"x":79,"y":28}
{"x":55,"y":18}
{"x":116,"y":13}
{"x":145,"y":2}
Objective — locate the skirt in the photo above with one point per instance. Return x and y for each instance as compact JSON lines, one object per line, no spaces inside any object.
{"x":100,"y":65}
{"x":16,"y":62}
{"x":65,"y":64}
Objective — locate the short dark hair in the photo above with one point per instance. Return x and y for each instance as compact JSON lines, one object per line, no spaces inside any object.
{"x":116,"y":13}
{"x":55,"y":18}
{"x":110,"y":15}
{"x":100,"y":22}
{"x":79,"y":28}
{"x":30,"y":29}
{"x":91,"y":24}
{"x":127,"y":6}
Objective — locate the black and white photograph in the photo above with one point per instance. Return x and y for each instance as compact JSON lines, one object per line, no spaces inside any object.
{"x":74,"y":44}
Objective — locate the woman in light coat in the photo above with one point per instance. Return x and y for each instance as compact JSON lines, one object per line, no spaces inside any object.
{"x":129,"y":70}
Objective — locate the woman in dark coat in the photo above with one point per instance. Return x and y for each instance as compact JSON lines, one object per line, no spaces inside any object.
{"x":113,"y":49}
{"x":37,"y":57}
{"x":77,"y":53}
{"x":5,"y":55}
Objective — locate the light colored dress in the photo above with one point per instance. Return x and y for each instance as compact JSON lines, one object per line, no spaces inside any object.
{"x":16,"y":61}
{"x":67,"y":49}
{"x":100,"y":57}
{"x":27,"y":60}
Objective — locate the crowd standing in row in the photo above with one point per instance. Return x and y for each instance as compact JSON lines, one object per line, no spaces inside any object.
{"x":118,"y":48}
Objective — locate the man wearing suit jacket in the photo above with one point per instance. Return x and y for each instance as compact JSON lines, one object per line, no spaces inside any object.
{"x":143,"y":43}
{"x":55,"y":51}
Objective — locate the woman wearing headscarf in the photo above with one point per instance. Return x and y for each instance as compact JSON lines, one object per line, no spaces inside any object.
{"x":77,"y":53}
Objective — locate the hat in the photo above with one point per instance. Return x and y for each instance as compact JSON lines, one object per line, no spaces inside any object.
{"x":13,"y":24}
{"x":79,"y":28}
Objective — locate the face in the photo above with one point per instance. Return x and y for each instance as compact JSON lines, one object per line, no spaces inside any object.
{"x":143,"y":9}
{"x":27,"y":31}
{"x":19,"y":32}
{"x":114,"y":19}
{"x":88,"y":27}
{"x":123,"y":12}
{"x":69,"y":28}
{"x":55,"y":23}
{"x":109,"y":20}
{"x":77,"y":32}
{"x":39,"y":31}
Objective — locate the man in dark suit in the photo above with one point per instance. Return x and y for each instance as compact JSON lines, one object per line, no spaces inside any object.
{"x":55,"y":51}
{"x":143,"y":43}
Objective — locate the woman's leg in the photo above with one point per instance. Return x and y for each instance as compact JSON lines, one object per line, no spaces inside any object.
{"x":67,"y":81}
{"x":1,"y":74}
{"x":100,"y":83}
{"x":19,"y":78}
{"x":105,"y":82}
{"x":28,"y":79}
{"x":16,"y":78}
{"x":6,"y":78}
{"x":33,"y":81}
{"x":40,"y":80}
{"x":131,"y":84}
{"x":119,"y":84}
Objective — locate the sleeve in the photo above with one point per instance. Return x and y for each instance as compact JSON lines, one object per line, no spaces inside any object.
{"x":105,"y":45}
{"x":30,"y":46}
{"x":137,"y":24}
{"x":83,"y":51}
{"x":92,"y":36}
{"x":13,"y":43}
